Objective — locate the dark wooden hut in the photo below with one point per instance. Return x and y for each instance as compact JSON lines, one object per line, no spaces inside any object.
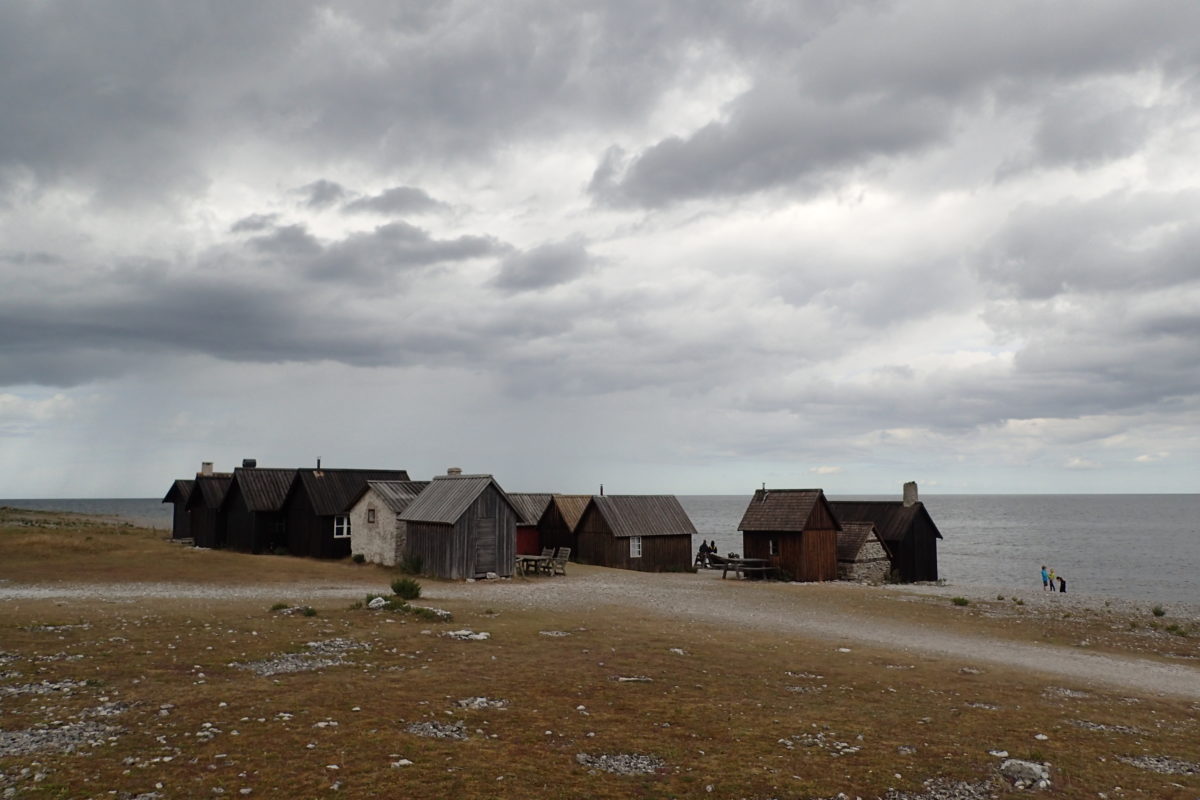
{"x":651,"y":533}
{"x":861,"y":554}
{"x":462,"y":526}
{"x":530,"y":507}
{"x":906,"y":528}
{"x":204,"y":509}
{"x":795,"y":529}
{"x":179,"y":493}
{"x":316,"y":511}
{"x":556,"y":526}
{"x":253,"y":509}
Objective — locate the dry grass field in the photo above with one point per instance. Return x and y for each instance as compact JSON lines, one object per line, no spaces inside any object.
{"x":154,"y":696}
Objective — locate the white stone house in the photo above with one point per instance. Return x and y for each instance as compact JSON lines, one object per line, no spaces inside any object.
{"x":376,"y":531}
{"x":861,"y":554}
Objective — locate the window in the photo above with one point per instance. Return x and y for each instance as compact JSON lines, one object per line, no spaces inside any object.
{"x":635,"y":547}
{"x":772,"y":547}
{"x":371,"y":516}
{"x":341,"y":527}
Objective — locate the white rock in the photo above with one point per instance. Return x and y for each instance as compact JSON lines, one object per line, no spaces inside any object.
{"x":404,"y":762}
{"x":377,"y":602}
{"x":1041,"y":737}
{"x":1025,"y":772}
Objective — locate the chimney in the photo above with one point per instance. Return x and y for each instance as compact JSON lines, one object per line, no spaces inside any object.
{"x":910,"y":494}
{"x":454,"y":471}
{"x":206,"y":468}
{"x":249,"y":463}
{"x":602,"y":490}
{"x":318,"y":463}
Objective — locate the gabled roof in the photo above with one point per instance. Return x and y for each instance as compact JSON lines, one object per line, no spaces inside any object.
{"x":209,"y":490}
{"x":643,"y":515}
{"x":447,"y":497}
{"x":180,"y":491}
{"x":570,"y":507}
{"x":331,"y":490}
{"x":396,"y":495}
{"x":264,"y":488}
{"x":852,"y":537}
{"x":530,"y":507}
{"x":892,"y":518}
{"x":781,"y":509}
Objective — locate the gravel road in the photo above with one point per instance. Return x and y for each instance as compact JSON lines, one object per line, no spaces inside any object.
{"x":705,"y":598}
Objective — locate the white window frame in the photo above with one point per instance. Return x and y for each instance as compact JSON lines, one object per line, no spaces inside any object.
{"x":370,"y":515}
{"x":772,"y":547}
{"x":635,"y":547}
{"x":341,"y":526}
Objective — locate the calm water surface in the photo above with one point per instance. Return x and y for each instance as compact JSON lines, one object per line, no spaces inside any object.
{"x":1140,"y":547}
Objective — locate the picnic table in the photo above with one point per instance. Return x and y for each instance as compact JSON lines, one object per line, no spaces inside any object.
{"x":535,"y":563}
{"x":748,"y":567}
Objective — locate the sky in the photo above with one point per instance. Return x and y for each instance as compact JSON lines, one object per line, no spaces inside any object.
{"x":684,"y":247}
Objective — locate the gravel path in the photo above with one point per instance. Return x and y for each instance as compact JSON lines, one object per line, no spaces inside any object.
{"x":705,"y":598}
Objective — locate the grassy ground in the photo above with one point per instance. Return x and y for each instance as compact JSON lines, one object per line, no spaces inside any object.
{"x":746,"y":713}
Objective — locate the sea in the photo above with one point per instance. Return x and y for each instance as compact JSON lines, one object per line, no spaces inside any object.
{"x":1138,"y":547}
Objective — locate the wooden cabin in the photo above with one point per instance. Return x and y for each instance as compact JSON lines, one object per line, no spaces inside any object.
{"x":906,"y":529}
{"x":462,"y":526}
{"x":179,"y":494}
{"x":253,"y":509}
{"x":376,"y":530}
{"x":205,"y":520}
{"x":316,"y":509}
{"x":530,"y":507}
{"x":795,"y":530}
{"x":556,"y":526}
{"x":861,"y":554}
{"x":651,"y":533}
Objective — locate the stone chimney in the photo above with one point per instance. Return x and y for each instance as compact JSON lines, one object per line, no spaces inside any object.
{"x":206,"y":468}
{"x":454,"y":471}
{"x":910,"y":493}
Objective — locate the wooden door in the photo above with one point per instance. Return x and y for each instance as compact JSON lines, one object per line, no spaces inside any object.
{"x":485,"y":545}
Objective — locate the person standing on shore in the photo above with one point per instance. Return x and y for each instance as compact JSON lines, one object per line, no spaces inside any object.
{"x":1045,"y":578}
{"x":1051,"y":580}
{"x":1062,"y":584}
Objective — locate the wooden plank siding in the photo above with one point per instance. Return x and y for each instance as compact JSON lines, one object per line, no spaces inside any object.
{"x":482,"y":540}
{"x":308,"y":534}
{"x":809,"y":555}
{"x":659,"y":553}
{"x":251,"y":531}
{"x":658,"y":521}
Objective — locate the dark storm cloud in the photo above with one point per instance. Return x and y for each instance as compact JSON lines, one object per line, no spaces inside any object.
{"x":322,"y":193}
{"x":397,"y":200}
{"x":544,"y":266}
{"x":394,"y":248}
{"x":253,"y":223}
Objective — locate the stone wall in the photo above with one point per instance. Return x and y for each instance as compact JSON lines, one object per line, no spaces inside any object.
{"x":381,"y":541}
{"x":872,"y":565}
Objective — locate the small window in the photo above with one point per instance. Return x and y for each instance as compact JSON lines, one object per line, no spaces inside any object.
{"x":772,"y":547}
{"x":341,"y":527}
{"x":371,"y":516}
{"x":635,"y":547}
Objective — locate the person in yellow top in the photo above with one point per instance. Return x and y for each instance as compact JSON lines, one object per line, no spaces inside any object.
{"x":1052,"y":580}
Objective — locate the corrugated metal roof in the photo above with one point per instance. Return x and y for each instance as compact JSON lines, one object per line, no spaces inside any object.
{"x":397,"y":495}
{"x":530,"y":507}
{"x":209,"y":490}
{"x":180,"y":490}
{"x":643,"y":514}
{"x":779,"y":509}
{"x":570,"y":507}
{"x":852,"y":537}
{"x":264,"y":488}
{"x":446,"y":498}
{"x":892,"y":518}
{"x":331,"y":490}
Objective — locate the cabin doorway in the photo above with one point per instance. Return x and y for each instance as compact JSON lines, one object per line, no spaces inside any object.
{"x":485,"y":545}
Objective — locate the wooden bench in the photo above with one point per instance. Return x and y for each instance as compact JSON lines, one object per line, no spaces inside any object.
{"x":743,"y":567}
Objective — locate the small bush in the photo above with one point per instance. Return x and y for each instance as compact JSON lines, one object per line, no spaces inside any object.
{"x":356,"y":605}
{"x":411,"y":565}
{"x":1176,"y":629}
{"x":406,"y":588}
{"x":1001,"y":597}
{"x":358,"y":558}
{"x":960,"y":601}
{"x":1158,"y":611}
{"x":279,"y":606}
{"x":1020,"y":602}
{"x":308,"y":611}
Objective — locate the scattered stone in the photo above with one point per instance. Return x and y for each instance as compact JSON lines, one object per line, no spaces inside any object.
{"x":632,"y":679}
{"x":328,"y":653}
{"x":467,"y":635}
{"x":439,"y":730}
{"x":43,"y":687}
{"x":621,"y":763}
{"x":404,"y":762}
{"x":998,"y":753}
{"x":985,"y":706}
{"x":482,"y":702}
{"x":807,"y":675}
{"x":66,"y":738}
{"x":679,"y":651}
{"x":821,"y":741}
{"x":906,"y":750}
{"x":807,"y":689}
{"x":1062,"y":691}
{"x":1026,"y":774}
{"x":440,"y":613}
{"x":1041,"y":737}
{"x":1099,"y":726}
{"x":377,"y":603}
{"x":1164,"y":765}
{"x":942,"y":789}
{"x":554,"y":633}
{"x":970,"y":671}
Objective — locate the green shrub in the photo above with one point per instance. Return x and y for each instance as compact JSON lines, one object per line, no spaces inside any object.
{"x":279,"y":606}
{"x":1176,"y":629}
{"x":1158,"y":611}
{"x":406,"y":588}
{"x":358,"y":558}
{"x":411,"y":565}
{"x":960,"y":601}
{"x":308,"y":611}
{"x":1001,"y":597}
